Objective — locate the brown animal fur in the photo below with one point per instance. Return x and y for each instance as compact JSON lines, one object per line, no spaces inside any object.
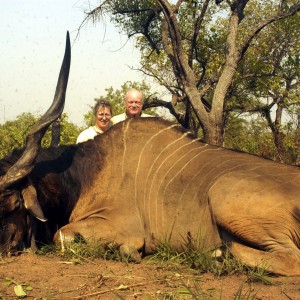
{"x":157,"y":182}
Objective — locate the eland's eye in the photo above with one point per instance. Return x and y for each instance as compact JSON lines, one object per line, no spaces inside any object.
{"x":6,"y":194}
{"x":9,"y":201}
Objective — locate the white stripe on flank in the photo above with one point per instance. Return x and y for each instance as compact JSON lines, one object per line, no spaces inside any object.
{"x":199,"y":147}
{"x":158,"y":156}
{"x":157,"y":170}
{"x":138,"y":165}
{"x":124,"y":145}
{"x":181,"y":169}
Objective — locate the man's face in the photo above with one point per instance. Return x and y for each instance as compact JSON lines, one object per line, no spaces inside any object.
{"x":133,"y":104}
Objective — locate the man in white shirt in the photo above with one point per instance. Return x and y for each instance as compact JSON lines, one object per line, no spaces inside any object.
{"x":133,"y":107}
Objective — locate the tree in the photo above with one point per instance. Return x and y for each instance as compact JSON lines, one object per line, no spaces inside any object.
{"x":268,"y":80}
{"x":251,"y":134}
{"x":195,"y":48}
{"x":12,"y":135}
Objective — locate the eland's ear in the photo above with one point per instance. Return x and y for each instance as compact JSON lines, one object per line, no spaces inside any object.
{"x":31,"y":202}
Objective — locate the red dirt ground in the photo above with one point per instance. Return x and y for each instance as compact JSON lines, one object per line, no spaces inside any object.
{"x":51,"y":277}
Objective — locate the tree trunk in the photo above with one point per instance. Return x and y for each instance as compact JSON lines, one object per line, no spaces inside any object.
{"x":215,"y":135}
{"x":297,"y":162}
{"x":278,"y":135}
{"x":55,"y":141}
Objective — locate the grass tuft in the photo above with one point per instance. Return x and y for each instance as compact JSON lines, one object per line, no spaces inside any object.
{"x":83,"y":250}
{"x":191,"y":255}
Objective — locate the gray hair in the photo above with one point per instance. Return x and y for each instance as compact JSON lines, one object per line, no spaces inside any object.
{"x":102,"y":103}
{"x":134,"y":91}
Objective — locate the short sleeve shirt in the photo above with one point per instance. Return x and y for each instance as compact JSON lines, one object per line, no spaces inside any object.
{"x":87,"y":134}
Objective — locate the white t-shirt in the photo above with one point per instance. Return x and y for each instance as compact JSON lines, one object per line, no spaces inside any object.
{"x":122,"y":117}
{"x":88,"y":134}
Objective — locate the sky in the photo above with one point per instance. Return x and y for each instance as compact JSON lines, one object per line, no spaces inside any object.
{"x":32,"y":42}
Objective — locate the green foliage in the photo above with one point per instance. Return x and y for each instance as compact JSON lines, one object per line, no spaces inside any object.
{"x":271,"y":62}
{"x":16,"y":131}
{"x":82,"y":251}
{"x":69,"y":131}
{"x":133,"y":23}
{"x":197,"y":258}
{"x":13,"y":133}
{"x":252,"y":135}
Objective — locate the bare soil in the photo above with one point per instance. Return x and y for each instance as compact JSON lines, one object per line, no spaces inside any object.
{"x":52,"y":277}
